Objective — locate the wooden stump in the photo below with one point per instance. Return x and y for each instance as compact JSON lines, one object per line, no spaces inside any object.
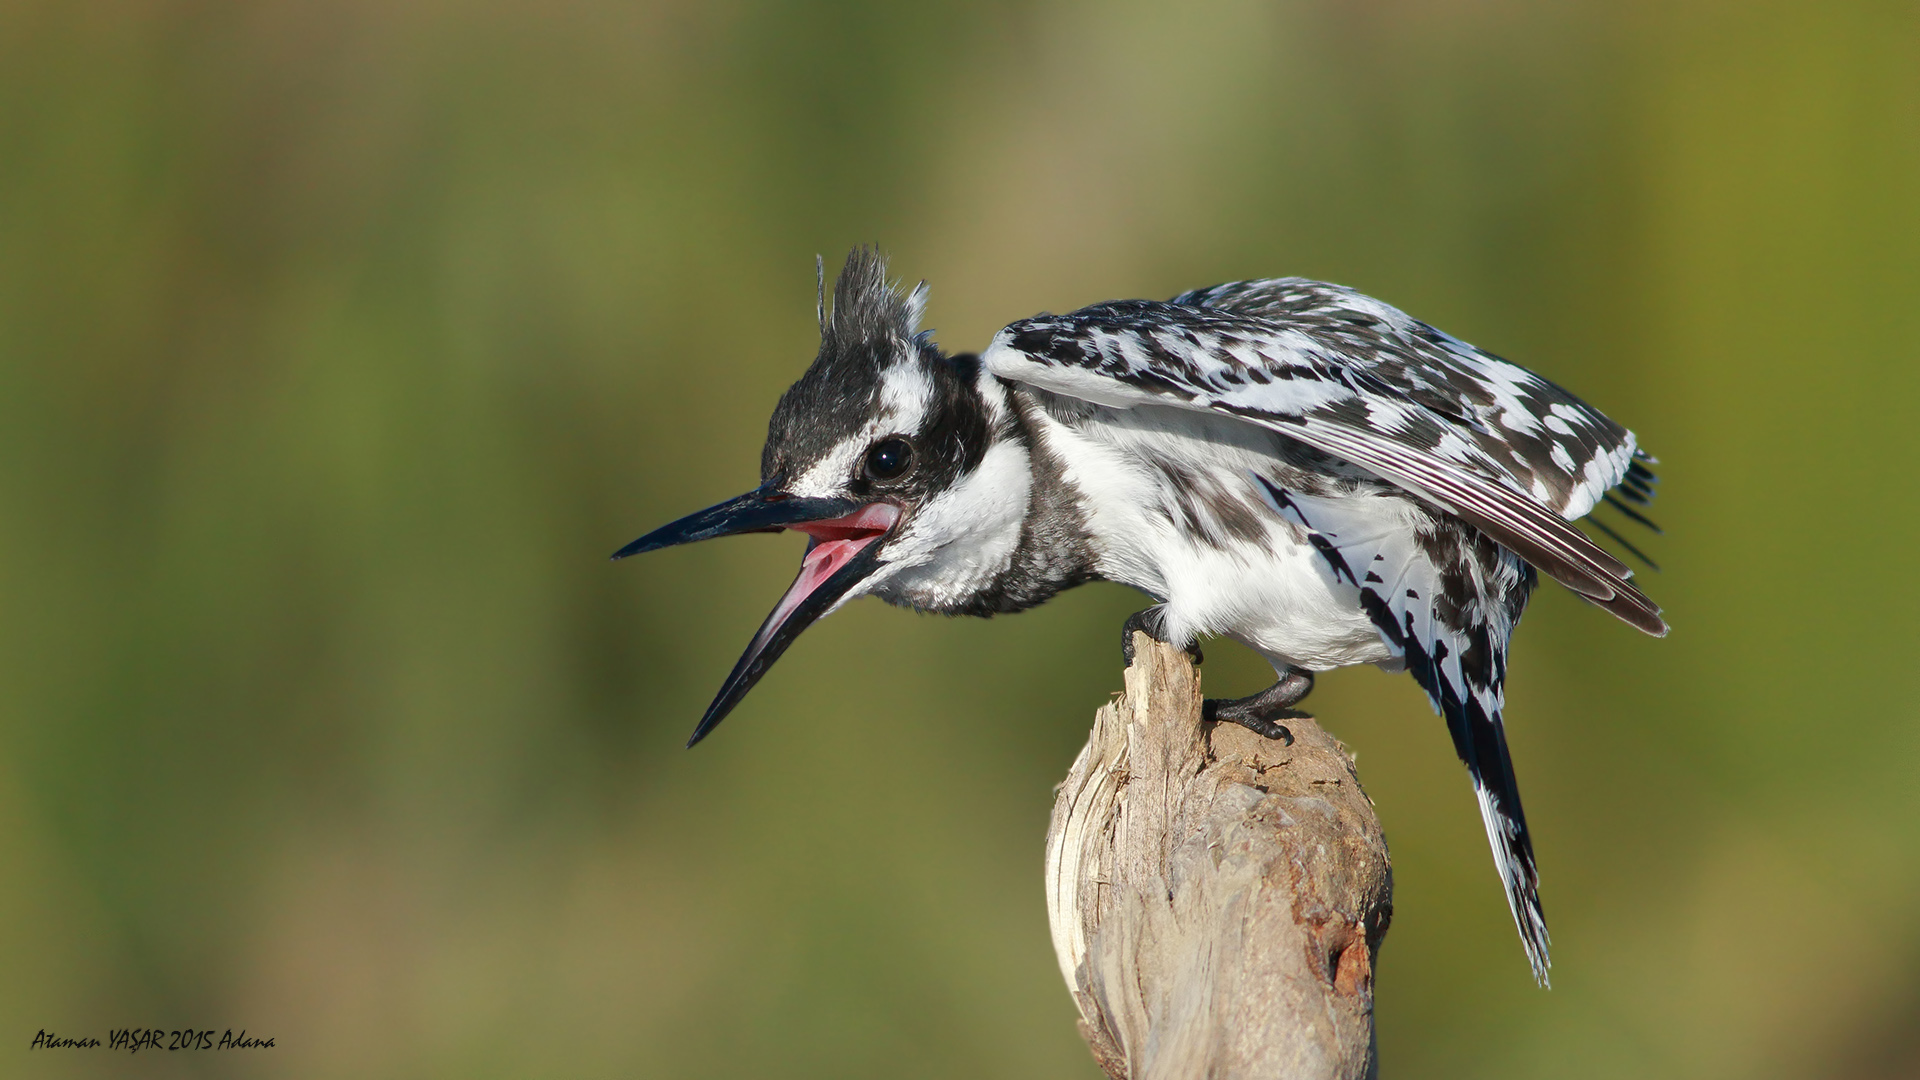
{"x":1217,"y":898}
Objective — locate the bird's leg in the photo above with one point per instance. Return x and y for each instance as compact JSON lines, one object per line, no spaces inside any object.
{"x":1150,"y":622}
{"x":1261,"y":713}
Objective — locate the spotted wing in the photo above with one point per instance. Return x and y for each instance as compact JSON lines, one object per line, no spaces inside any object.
{"x":1445,"y":601}
{"x":1356,"y":394}
{"x":1564,"y":452}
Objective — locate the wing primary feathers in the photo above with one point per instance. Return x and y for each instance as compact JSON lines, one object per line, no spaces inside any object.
{"x":1641,"y":487}
{"x":1634,"y":514}
{"x":1639,"y":483}
{"x":1633,"y":494}
{"x":1506,"y":510}
{"x":1528,"y":529}
{"x":1625,"y":543}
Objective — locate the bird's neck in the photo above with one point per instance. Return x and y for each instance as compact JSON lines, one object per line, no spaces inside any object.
{"x":1007,"y":536}
{"x":1053,"y":551}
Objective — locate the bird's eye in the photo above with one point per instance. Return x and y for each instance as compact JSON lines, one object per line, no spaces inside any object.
{"x":889,"y":459}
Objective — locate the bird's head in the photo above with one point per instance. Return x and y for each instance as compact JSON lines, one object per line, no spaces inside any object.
{"x":897,"y":460}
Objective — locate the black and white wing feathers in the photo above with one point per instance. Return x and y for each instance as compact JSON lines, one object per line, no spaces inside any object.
{"x":1549,"y":443}
{"x":1336,"y":381}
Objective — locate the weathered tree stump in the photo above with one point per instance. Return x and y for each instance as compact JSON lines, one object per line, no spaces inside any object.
{"x":1217,"y":898}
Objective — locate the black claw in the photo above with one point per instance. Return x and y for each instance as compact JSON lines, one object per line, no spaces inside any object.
{"x":1142,"y":621}
{"x":1148,"y":622}
{"x":1267,"y":728}
{"x":1260,"y":713}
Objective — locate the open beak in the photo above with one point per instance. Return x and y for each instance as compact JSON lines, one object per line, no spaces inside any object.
{"x":844,"y":551}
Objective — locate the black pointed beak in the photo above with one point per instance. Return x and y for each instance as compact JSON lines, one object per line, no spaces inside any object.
{"x":803,"y":605}
{"x":844,"y":551}
{"x":756,"y":511}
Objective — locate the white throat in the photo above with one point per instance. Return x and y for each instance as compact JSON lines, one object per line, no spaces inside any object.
{"x":956,"y":544}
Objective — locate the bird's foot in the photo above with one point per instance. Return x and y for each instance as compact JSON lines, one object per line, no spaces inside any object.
{"x":1152,"y":623}
{"x":1261,"y":713}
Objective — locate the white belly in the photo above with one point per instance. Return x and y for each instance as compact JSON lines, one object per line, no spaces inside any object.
{"x":1280,"y":600}
{"x":1174,"y":512}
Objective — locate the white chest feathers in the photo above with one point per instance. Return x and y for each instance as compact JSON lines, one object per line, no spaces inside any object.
{"x":1174,"y":510}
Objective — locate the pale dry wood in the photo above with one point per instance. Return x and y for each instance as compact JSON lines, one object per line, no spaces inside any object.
{"x":1217,"y":898}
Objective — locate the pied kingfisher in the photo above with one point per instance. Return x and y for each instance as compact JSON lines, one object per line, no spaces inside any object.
{"x":1289,"y":463}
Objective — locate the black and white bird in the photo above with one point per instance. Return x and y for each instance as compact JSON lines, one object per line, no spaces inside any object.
{"x":1288,"y":463}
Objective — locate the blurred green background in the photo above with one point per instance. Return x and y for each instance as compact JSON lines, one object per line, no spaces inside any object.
{"x":341,"y":341}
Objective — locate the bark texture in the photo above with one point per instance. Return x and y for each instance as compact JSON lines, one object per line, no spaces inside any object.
{"x":1217,"y":898}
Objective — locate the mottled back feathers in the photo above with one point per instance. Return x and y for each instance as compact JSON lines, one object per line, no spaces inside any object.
{"x":1505,"y":451}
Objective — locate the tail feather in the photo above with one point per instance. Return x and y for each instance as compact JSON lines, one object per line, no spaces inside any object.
{"x":1482,"y":744}
{"x":1444,"y":599}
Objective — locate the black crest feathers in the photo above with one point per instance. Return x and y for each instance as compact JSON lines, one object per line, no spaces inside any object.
{"x":871,"y":316}
{"x":872,"y":325}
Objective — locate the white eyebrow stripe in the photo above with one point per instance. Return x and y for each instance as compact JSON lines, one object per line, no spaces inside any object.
{"x":828,"y":476}
{"x":906,"y":394}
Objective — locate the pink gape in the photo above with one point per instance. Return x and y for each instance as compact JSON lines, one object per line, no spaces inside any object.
{"x":835,"y":542}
